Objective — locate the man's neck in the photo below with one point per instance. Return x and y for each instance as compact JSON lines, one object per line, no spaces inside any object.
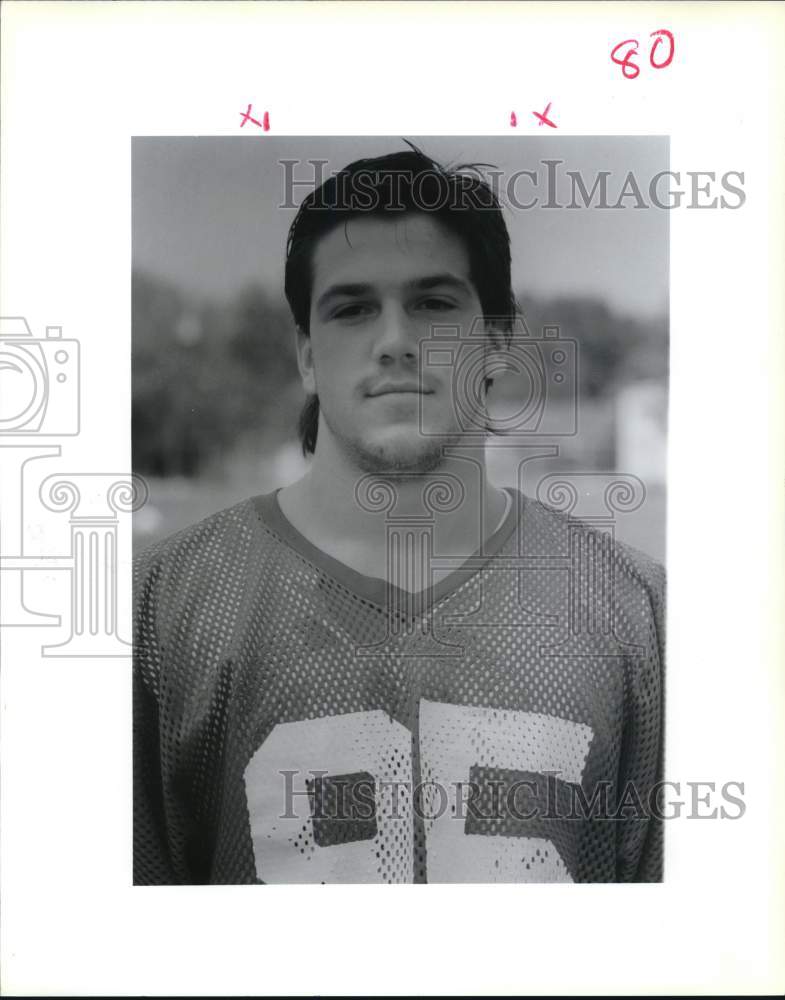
{"x":349,"y":513}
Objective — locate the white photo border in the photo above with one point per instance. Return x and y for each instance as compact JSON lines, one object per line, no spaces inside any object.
{"x":78,"y":81}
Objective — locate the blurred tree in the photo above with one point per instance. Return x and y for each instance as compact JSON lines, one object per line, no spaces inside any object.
{"x":610,"y":346}
{"x":262,"y":343}
{"x":206,"y":376}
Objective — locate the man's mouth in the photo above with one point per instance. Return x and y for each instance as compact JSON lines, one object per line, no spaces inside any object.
{"x":399,"y":388}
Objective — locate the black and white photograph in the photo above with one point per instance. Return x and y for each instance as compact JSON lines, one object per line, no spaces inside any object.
{"x":392,"y":448}
{"x":399,"y":586}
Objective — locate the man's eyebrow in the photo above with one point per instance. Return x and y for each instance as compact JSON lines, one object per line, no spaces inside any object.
{"x":335,"y":291}
{"x":441,"y":280}
{"x":350,"y":290}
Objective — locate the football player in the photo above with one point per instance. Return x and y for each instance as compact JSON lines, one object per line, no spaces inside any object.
{"x":392,"y":670}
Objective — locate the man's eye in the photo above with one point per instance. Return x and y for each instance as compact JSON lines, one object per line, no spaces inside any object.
{"x":436,"y":304}
{"x":356,"y":309}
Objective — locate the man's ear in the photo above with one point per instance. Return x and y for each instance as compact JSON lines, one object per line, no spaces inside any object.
{"x":495,"y":361}
{"x":496,"y":338}
{"x":305,"y":361}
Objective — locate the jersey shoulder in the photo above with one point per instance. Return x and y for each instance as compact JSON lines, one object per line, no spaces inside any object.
{"x":209,"y":568}
{"x":545,"y":529}
{"x":217,"y":538}
{"x":639,"y":580}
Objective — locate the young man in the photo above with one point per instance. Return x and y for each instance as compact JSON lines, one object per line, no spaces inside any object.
{"x":391,"y":670}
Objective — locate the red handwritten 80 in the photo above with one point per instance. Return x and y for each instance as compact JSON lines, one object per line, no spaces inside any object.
{"x":631,"y":69}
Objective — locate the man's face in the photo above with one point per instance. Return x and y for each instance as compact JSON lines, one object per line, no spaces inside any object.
{"x":379,"y":285}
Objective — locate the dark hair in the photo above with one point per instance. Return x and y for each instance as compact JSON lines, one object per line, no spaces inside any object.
{"x":408,"y":181}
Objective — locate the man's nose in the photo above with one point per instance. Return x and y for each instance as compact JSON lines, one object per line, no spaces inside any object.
{"x":399,"y":338}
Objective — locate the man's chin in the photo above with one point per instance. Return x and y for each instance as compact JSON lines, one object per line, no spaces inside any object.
{"x":401,"y":452}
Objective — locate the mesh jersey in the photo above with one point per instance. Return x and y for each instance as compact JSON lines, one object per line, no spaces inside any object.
{"x":464,"y":739}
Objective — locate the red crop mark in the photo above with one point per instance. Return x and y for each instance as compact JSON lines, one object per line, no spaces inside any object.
{"x":247,"y":117}
{"x":513,"y":119}
{"x":544,"y":119}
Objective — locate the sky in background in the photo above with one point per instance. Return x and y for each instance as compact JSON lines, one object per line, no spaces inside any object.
{"x":207,"y":215}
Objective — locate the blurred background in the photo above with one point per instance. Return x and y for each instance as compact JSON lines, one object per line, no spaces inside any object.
{"x":216,"y":393}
